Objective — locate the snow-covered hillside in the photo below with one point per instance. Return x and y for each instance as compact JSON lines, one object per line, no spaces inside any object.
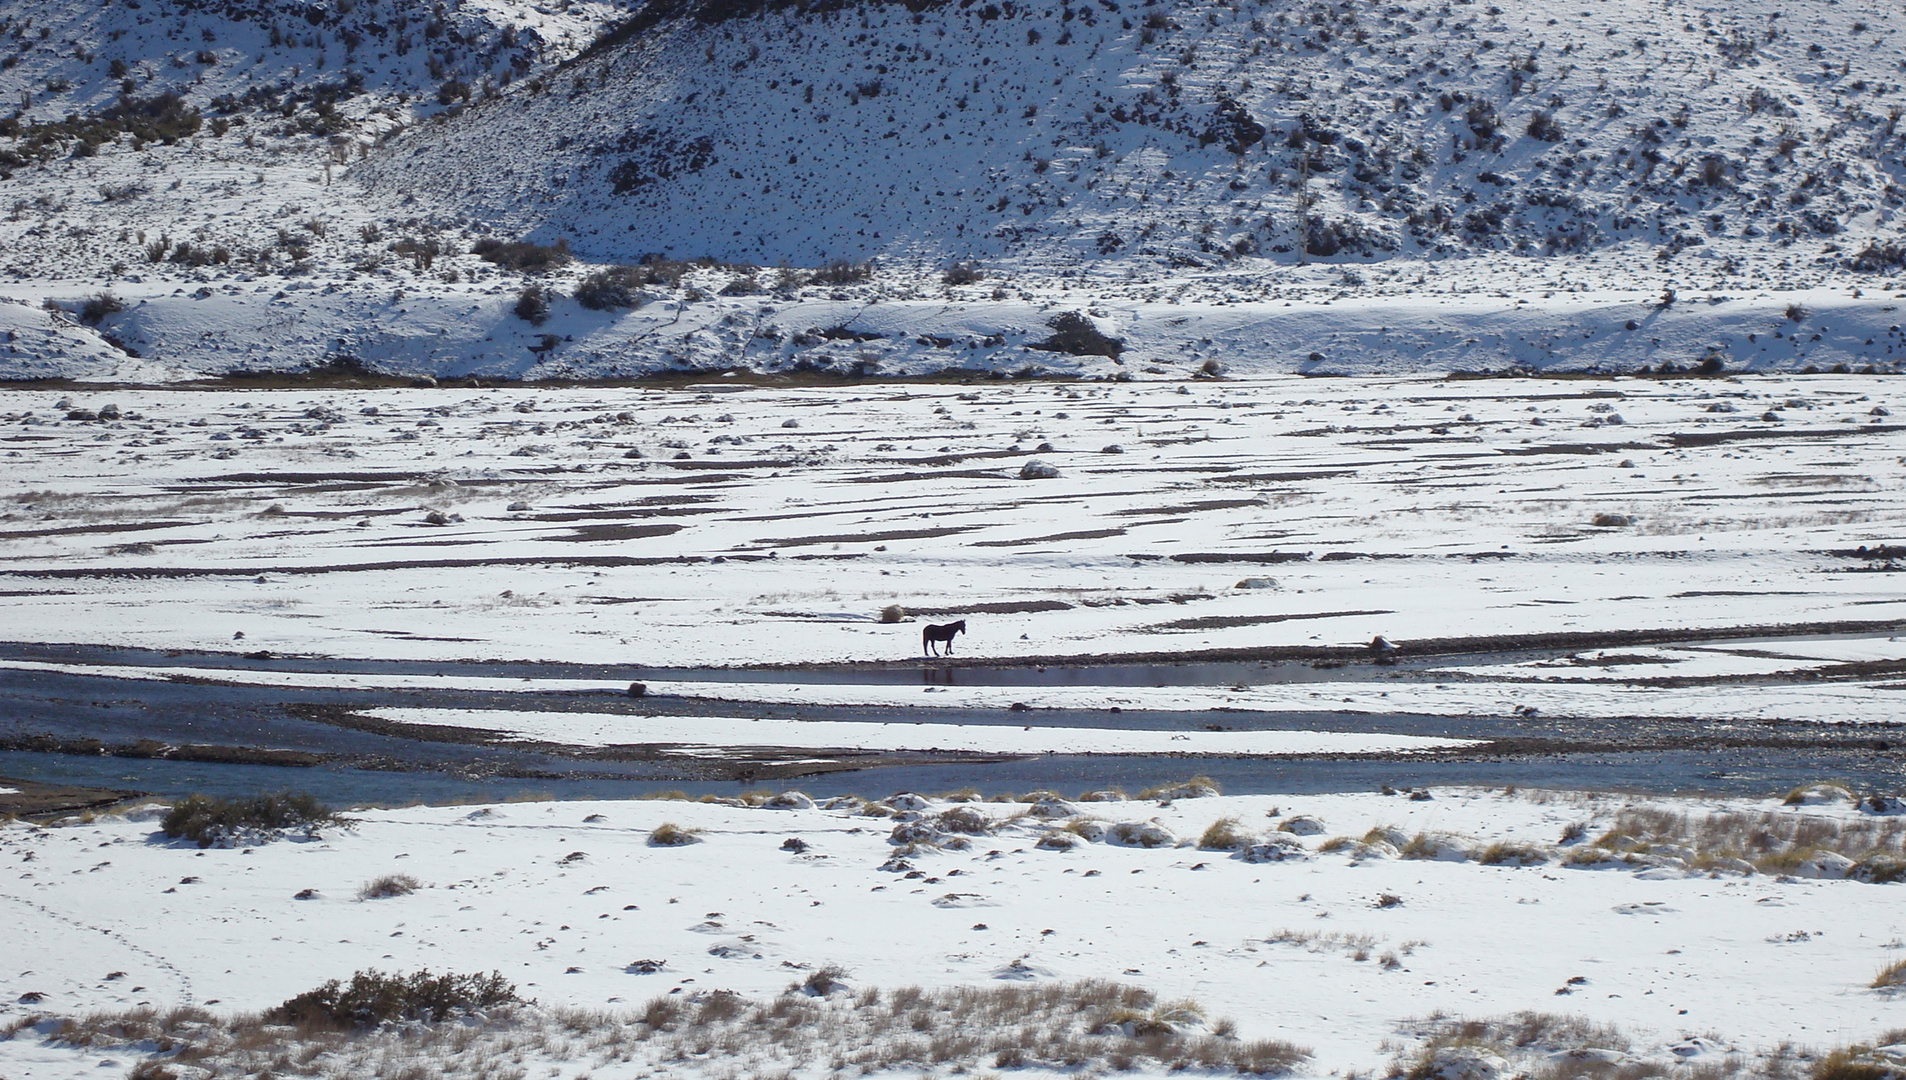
{"x":206,"y":188}
{"x":1196,"y":132}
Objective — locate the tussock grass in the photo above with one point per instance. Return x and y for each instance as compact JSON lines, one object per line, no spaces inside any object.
{"x":1859,"y":1062}
{"x":1081,"y":1028}
{"x":1224,"y":834}
{"x":1511,"y":853}
{"x":1890,"y":977}
{"x":1774,"y":843}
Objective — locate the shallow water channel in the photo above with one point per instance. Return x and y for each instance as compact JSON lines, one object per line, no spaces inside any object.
{"x":377,"y":766}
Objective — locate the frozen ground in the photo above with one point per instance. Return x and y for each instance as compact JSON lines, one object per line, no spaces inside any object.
{"x":1465,"y":903}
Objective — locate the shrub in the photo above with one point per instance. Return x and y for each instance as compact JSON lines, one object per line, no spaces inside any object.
{"x":388,"y":886}
{"x":206,"y":820}
{"x":98,"y":306}
{"x":1545,"y":127}
{"x":1892,"y":975}
{"x":522,"y":255}
{"x":1879,"y":257}
{"x":892,"y":613}
{"x":612,"y":288}
{"x":532,"y":305}
{"x":1076,"y":335}
{"x":966,"y":273}
{"x":843,"y":272}
{"x":669,"y":834}
{"x":372,"y":998}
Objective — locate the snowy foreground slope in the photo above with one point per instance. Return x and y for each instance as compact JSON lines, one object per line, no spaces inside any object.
{"x":212,"y":187}
{"x":1342,"y":924}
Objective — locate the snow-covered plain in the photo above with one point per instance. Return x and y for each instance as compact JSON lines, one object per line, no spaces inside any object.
{"x":1343,"y":951}
{"x":719,"y":525}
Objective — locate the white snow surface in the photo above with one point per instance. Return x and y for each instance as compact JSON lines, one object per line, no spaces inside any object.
{"x":564,"y":898}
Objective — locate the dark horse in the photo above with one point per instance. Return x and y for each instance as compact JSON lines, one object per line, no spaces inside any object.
{"x":931,"y":634}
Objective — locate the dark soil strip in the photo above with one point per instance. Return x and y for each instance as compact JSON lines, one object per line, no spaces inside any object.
{"x":1715,"y":438}
{"x":868,"y":538}
{"x":1004,"y":607}
{"x":1087,"y":534}
{"x":1576,"y":448}
{"x":1190,"y":508}
{"x":896,"y":478}
{"x":583,"y":534}
{"x":1240,"y":557}
{"x":358,"y":568}
{"x":1214,"y":622}
{"x":31,"y":799}
{"x":149,"y":748}
{"x":76,"y":530}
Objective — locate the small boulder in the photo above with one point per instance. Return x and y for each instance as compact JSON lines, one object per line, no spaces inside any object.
{"x":1037,"y":470}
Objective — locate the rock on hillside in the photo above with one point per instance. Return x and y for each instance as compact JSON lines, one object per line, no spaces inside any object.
{"x":1196,"y":133}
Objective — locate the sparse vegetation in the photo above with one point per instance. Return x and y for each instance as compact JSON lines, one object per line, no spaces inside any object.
{"x":1874,"y":847}
{"x":378,"y":1024}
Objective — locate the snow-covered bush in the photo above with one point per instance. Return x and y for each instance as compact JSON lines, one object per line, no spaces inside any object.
{"x":206,"y":820}
{"x":372,"y":998}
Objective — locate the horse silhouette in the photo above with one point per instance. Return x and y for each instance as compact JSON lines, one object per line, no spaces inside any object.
{"x":944,"y":632}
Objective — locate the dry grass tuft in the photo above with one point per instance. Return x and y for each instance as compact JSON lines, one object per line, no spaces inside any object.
{"x":669,"y":834}
{"x":1197,"y":787}
{"x":1890,"y":976}
{"x":388,"y":886}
